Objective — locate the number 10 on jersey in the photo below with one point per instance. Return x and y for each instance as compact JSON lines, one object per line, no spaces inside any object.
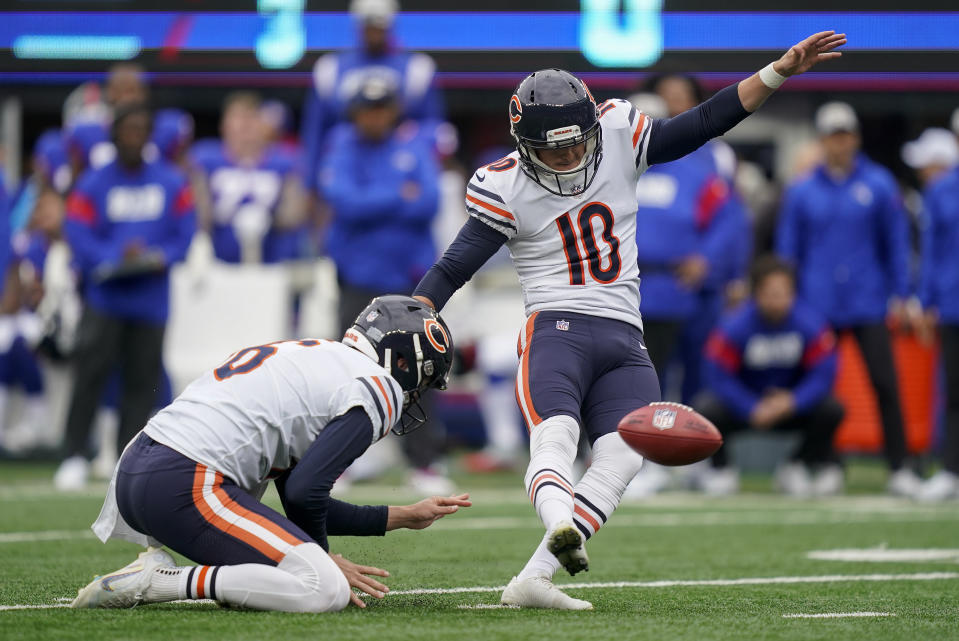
{"x":581,"y":234}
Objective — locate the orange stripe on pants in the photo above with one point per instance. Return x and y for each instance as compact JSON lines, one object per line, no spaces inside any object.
{"x":532,"y":418}
{"x":261,"y":546}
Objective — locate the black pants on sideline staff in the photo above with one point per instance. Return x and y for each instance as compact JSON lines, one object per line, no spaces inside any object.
{"x":950,"y":359}
{"x":103,"y":342}
{"x":662,"y":343}
{"x":876,"y":347}
{"x":817,"y":425}
{"x":422,"y":447}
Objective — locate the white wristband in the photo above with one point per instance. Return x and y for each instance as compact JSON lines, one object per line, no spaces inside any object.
{"x":770,"y":77}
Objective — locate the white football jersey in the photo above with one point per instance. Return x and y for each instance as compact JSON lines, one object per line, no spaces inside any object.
{"x":573,"y":253}
{"x":257,"y":414}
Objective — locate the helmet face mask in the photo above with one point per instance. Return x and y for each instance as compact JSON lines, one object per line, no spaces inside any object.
{"x":552,"y":109}
{"x":410,"y":340}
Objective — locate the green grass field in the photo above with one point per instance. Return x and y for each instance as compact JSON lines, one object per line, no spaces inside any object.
{"x":648,"y":566}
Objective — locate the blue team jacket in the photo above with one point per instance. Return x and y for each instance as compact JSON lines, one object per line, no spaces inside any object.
{"x":336,"y":78}
{"x":939,"y":264}
{"x":111,"y":206}
{"x":379,"y":239}
{"x":685,"y":208}
{"x":746,"y":356}
{"x":849,"y":240}
{"x":257,"y":188}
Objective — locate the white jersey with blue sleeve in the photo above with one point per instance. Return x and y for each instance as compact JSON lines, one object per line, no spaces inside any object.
{"x":255,"y":415}
{"x":573,"y":253}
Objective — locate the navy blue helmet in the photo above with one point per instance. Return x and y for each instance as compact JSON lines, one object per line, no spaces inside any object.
{"x":410,"y":340}
{"x":553,"y":109}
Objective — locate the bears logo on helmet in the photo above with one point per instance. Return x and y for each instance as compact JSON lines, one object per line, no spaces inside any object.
{"x":515,"y":109}
{"x":436,"y":335}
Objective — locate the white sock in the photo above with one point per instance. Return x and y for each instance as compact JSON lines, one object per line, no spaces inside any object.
{"x":600,"y":490}
{"x":542,"y":563}
{"x":306,"y":580}
{"x":167,"y":584}
{"x":548,"y":478}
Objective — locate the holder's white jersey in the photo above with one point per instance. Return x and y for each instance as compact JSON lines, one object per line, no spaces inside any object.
{"x":257,"y":414}
{"x":573,"y":253}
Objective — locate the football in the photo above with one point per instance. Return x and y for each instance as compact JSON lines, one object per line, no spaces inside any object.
{"x":670,"y":434}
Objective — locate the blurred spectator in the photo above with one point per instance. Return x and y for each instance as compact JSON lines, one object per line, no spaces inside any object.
{"x":88,"y":112}
{"x":382,"y":183}
{"x":127,"y":223}
{"x":21,"y":329}
{"x":338,"y":76}
{"x":249,"y":195}
{"x":933,"y":153}
{"x":771,"y":366}
{"x":939,"y":295}
{"x":172,"y":135}
{"x":844,"y":228}
{"x":691,"y":203}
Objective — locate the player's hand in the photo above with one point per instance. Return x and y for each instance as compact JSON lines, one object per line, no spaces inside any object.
{"x":761,"y":417}
{"x":782,"y":404}
{"x":423,"y":514}
{"x":133,"y":249}
{"x":802,"y":56}
{"x":692,"y":271}
{"x":356,"y":576}
{"x":926,"y":327}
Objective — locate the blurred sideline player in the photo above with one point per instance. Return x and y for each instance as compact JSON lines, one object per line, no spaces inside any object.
{"x":683,"y":281}
{"x":127,"y":224}
{"x":938,"y":287}
{"x":771,"y":365}
{"x":338,"y":76}
{"x":298,"y":413}
{"x":565,"y":204}
{"x":381,"y":181}
{"x":844,"y":229}
{"x":250,"y":197}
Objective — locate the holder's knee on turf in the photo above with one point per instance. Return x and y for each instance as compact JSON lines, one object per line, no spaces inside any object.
{"x":328,"y":589}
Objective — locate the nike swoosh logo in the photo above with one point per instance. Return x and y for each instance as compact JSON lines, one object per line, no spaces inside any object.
{"x":105,"y":584}
{"x":481,"y":178}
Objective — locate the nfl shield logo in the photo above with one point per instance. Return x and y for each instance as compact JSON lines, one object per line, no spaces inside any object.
{"x":372,"y":316}
{"x":664,"y":419}
{"x":562,"y":325}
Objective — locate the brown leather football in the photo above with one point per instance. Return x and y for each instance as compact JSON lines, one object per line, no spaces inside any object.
{"x":670,"y":434}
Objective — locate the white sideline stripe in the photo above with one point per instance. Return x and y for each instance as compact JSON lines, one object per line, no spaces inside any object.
{"x":710,"y":518}
{"x":882,"y":554}
{"x":774,"y":580}
{"x":838,"y":615}
{"x":621,"y":520}
{"x":488,"y":606}
{"x":47,"y":535}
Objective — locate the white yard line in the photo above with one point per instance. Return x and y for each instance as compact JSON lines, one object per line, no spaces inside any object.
{"x":887,"y":555}
{"x":488,"y":606}
{"x":838,"y":615}
{"x":773,"y":580}
{"x":45,"y":535}
{"x":631,"y":520}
